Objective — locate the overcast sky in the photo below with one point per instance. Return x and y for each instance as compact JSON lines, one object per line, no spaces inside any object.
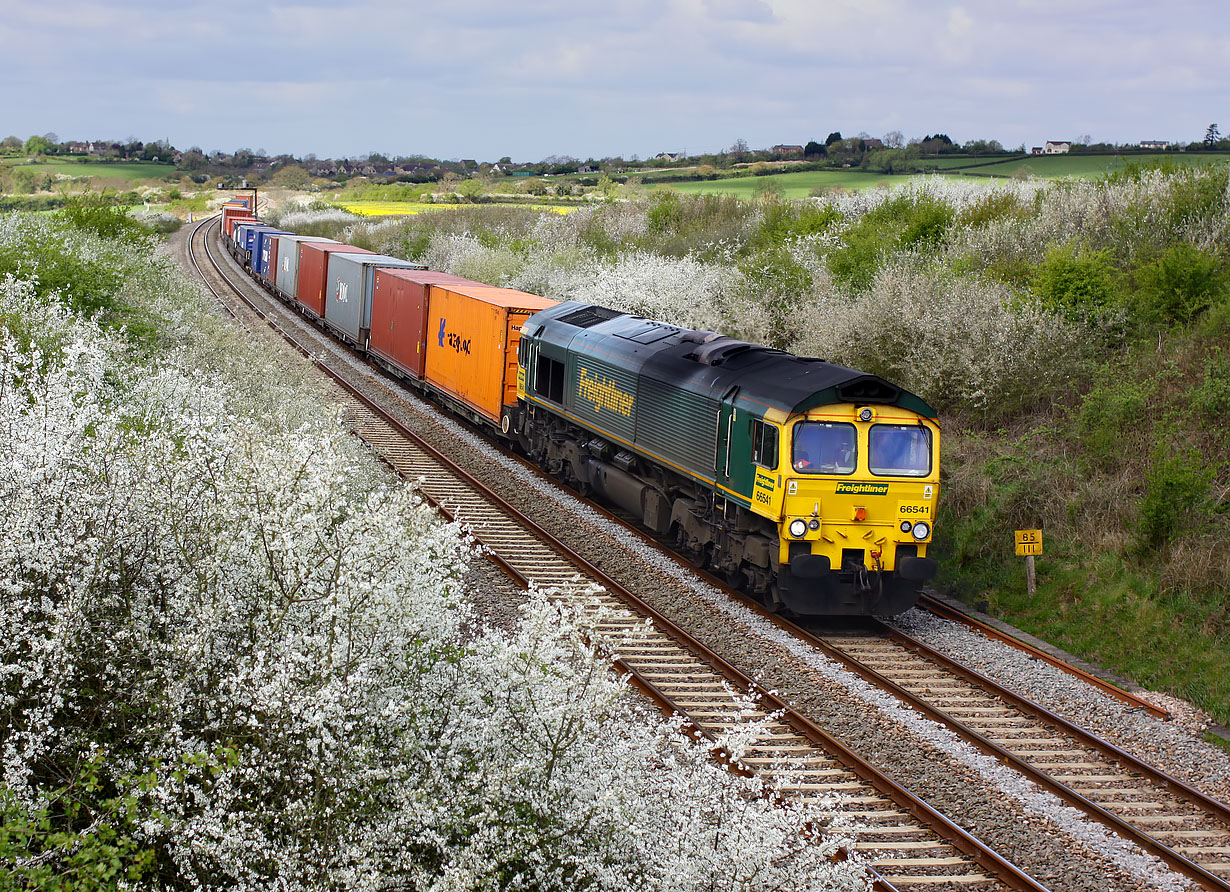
{"x":531,"y":78}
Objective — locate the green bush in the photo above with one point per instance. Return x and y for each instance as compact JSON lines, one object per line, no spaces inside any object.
{"x":778,"y":284}
{"x":1177,"y":495}
{"x":1077,"y":284}
{"x":1211,"y":397}
{"x":86,"y":286}
{"x":785,"y":220}
{"x":1197,"y":194}
{"x":993,"y":206}
{"x":910,"y":221}
{"x":1109,"y":413}
{"x":1179,"y":285}
{"x":97,"y":213}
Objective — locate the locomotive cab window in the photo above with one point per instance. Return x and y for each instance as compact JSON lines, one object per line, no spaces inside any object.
{"x":825,"y":448}
{"x":549,"y":379}
{"x":764,"y":444}
{"x":899,"y":450}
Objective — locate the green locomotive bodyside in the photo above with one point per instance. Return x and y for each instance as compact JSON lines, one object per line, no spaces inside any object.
{"x":693,"y":431}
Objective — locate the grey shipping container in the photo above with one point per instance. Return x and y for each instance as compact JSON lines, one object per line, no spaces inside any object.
{"x":348,"y":292}
{"x":287,"y":280}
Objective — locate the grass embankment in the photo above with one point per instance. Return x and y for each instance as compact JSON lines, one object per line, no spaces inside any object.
{"x":1127,"y":476}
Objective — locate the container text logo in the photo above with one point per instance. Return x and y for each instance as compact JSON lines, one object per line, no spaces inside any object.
{"x":456,"y":341}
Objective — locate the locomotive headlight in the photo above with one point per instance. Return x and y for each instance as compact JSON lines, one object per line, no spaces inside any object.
{"x":866,"y":414}
{"x":813,"y":524}
{"x":906,"y":526}
{"x":921,"y":530}
{"x":798,"y":528}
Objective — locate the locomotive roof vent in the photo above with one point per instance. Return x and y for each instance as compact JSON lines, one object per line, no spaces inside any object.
{"x":868,"y":389}
{"x":699,"y":337}
{"x":591,"y":315}
{"x":717,"y":350}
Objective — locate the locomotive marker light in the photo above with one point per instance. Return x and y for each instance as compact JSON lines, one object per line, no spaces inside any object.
{"x":1028,"y":544}
{"x":921,"y":530}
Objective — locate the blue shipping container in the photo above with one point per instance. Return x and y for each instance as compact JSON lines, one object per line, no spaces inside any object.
{"x":260,"y":256}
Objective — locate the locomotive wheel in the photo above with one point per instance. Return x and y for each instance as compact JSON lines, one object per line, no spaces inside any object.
{"x":772,"y":599}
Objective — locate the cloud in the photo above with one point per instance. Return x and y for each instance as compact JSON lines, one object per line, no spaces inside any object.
{"x":739,"y":10}
{"x":473,"y":78}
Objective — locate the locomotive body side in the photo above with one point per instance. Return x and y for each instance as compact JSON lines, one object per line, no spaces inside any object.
{"x":695,"y":434}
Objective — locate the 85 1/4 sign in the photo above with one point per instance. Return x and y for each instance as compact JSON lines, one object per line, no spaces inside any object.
{"x":1028,"y":542}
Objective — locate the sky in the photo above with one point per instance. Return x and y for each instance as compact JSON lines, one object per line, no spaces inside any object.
{"x":529,"y":79}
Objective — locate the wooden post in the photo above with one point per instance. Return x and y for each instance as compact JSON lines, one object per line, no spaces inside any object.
{"x":1028,"y":544}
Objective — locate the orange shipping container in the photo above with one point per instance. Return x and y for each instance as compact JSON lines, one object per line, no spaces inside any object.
{"x":472,"y":337}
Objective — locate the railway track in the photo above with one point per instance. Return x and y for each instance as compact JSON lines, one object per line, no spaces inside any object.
{"x":1182,"y":826}
{"x":909,"y":844}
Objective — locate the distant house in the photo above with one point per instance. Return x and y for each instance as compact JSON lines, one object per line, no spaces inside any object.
{"x":1036,"y":150}
{"x":1155,"y":143}
{"x":787,"y":150}
{"x":76,"y":148}
{"x":873,"y":143}
{"x":669,"y":156}
{"x":1057,"y":147}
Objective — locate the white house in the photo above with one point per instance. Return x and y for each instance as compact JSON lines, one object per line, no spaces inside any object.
{"x":1057,"y":147}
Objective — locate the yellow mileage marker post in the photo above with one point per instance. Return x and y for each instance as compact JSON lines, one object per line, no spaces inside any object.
{"x":1028,"y":544}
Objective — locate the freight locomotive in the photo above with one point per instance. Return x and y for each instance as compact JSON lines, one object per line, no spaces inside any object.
{"x":809,"y":485}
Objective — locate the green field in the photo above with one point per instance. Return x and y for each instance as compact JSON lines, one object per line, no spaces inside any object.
{"x":791,"y":185}
{"x":1091,"y":166}
{"x":800,"y":185}
{"x":120,"y":170}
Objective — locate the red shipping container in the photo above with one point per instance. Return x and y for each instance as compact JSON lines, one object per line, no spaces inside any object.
{"x":313,"y":272}
{"x":233,"y":210}
{"x":232,"y":222}
{"x":399,"y":315}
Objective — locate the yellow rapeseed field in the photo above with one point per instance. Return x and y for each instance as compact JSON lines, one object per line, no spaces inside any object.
{"x":391,"y":208}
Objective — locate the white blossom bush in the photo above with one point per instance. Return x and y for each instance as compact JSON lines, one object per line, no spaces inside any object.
{"x":298,"y":219}
{"x":964,"y":344}
{"x":248,"y":653}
